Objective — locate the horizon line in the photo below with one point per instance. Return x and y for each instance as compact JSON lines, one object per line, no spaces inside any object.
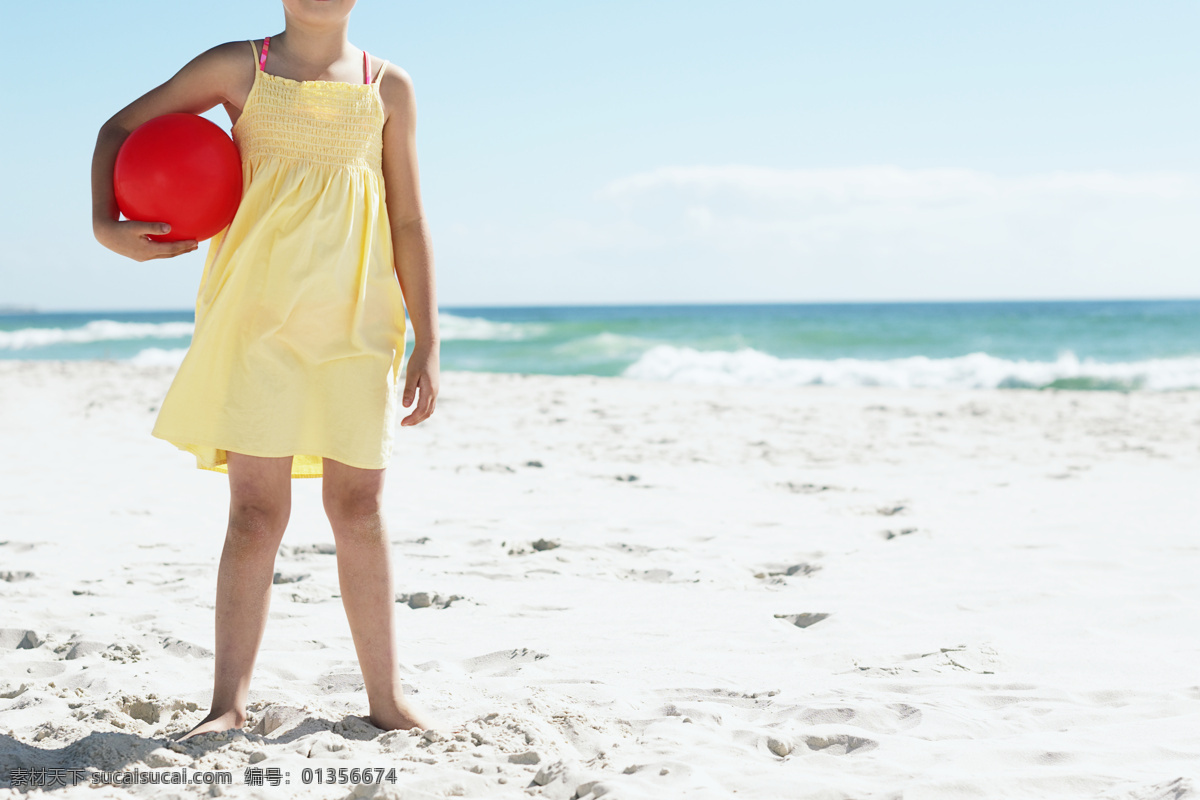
{"x":16,"y":309}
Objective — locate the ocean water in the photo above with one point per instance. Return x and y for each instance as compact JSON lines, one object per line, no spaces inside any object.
{"x":1109,"y":345}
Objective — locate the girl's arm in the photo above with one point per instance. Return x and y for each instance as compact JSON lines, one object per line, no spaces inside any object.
{"x":410,"y":240}
{"x":219,"y":75}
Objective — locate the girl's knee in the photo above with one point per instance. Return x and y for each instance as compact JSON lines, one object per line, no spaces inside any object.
{"x":260,"y":495}
{"x":351,"y":506}
{"x":257,"y":519}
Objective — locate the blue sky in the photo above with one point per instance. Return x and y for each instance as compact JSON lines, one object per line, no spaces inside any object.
{"x":622,"y":152}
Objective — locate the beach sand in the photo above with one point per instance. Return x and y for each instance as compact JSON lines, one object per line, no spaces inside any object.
{"x":634,"y":590}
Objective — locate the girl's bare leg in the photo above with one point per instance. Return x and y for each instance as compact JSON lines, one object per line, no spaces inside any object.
{"x":260,"y":500}
{"x":353,"y":503}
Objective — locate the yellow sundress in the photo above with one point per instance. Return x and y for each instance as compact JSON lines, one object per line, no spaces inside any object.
{"x":299,"y":335}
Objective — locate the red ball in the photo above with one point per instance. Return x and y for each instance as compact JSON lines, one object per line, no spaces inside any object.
{"x":180,"y":169}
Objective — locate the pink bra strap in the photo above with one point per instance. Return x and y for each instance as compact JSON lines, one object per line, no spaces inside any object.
{"x":262,"y":60}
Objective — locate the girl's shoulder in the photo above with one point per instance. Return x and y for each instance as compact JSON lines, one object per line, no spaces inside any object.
{"x":395,"y":86}
{"x":225,"y":70}
{"x":233,"y":55}
{"x":393,"y":74}
{"x":227,"y":63}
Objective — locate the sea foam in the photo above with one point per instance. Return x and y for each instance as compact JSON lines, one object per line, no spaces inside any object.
{"x":158,"y":357}
{"x":99,"y":330}
{"x":452,"y":326}
{"x":749,"y":367}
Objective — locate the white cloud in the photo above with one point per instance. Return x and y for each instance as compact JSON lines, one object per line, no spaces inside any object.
{"x":891,"y":184}
{"x":875,"y":232}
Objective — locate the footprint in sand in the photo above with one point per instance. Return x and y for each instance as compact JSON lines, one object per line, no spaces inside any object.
{"x":776,"y":573}
{"x":889,"y":535}
{"x":310,"y":592}
{"x":979,"y":658}
{"x":40,"y":669}
{"x":807,"y":488}
{"x":427,"y":600}
{"x":729,"y":697}
{"x":691,"y":714}
{"x":178,"y":647}
{"x":544,"y":544}
{"x":891,"y":510}
{"x":889,"y":718}
{"x":77,"y":647}
{"x":632,"y":549}
{"x":339,"y":682}
{"x":651,"y":575}
{"x":840,"y":744}
{"x":803,"y":620}
{"x":502,"y":662}
{"x":19,"y":639}
{"x":321,"y":549}
{"x":538,"y":546}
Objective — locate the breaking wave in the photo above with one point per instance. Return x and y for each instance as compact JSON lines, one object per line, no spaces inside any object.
{"x":748,"y":367}
{"x":100,"y":330}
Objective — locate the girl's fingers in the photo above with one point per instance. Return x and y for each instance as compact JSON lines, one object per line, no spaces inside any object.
{"x":411,"y":419}
{"x":425,"y":403}
{"x":147,"y":228}
{"x":418,"y":414}
{"x":424,"y":406}
{"x":428,"y":397}
{"x":170,"y":249}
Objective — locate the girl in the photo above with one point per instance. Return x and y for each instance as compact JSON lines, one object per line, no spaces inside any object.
{"x":300,"y":325}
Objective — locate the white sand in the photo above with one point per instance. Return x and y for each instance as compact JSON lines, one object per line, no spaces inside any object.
{"x":1029,"y":629}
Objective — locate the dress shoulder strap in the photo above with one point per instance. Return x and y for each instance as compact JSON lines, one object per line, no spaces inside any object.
{"x":381,"y":69}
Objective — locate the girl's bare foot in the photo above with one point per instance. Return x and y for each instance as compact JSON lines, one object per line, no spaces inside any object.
{"x":398,"y":716}
{"x":214,"y":723}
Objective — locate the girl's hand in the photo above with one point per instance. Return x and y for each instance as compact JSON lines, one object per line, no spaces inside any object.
{"x":131,"y":239}
{"x":222,"y":74}
{"x":421,"y":383}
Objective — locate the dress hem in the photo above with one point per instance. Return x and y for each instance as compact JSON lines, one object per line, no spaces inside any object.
{"x":222,"y":467}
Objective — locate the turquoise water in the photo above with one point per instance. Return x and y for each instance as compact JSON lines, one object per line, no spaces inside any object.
{"x":1121,"y":345}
